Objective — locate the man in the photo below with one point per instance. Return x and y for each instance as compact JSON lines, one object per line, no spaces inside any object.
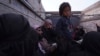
{"x":48,"y":31}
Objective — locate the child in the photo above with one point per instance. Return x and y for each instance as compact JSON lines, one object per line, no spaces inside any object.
{"x":64,"y":25}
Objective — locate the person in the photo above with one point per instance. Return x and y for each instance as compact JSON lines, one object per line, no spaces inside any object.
{"x":41,"y":40}
{"x":64,"y":25}
{"x":65,"y":29}
{"x":43,"y":44}
{"x":79,"y":33}
{"x":90,"y":45}
{"x":48,"y":31}
{"x":50,"y":34}
{"x":17,"y":38}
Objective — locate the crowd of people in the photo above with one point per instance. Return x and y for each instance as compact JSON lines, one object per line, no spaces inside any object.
{"x":18,"y":38}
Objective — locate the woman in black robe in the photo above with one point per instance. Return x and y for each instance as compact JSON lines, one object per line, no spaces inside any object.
{"x":90,"y":45}
{"x":17,"y":38}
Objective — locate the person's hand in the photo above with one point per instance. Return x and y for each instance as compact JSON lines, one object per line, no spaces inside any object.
{"x":44,"y":43}
{"x":54,"y":44}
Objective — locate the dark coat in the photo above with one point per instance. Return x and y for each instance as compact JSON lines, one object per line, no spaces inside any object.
{"x":65,"y":47}
{"x":65,"y":28}
{"x":17,"y":38}
{"x":79,"y":33}
{"x":91,"y":43}
{"x":49,"y":34}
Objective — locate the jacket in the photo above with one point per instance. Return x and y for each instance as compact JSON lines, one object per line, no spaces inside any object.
{"x":64,"y":27}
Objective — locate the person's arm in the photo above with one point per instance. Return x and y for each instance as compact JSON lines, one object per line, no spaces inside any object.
{"x":59,"y":27}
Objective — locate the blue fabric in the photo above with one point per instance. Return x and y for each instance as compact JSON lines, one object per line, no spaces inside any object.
{"x":64,"y":27}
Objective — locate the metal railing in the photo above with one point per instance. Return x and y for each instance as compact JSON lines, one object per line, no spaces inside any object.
{"x":90,"y":17}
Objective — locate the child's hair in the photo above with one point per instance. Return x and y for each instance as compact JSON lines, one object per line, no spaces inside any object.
{"x":62,"y":7}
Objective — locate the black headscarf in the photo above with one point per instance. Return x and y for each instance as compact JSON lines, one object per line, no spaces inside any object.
{"x":17,"y":38}
{"x":91,"y":43}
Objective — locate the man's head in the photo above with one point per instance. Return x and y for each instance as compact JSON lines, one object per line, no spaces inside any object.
{"x":48,"y":23}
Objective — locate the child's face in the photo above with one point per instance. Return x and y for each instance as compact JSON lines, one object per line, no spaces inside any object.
{"x":67,"y":12}
{"x":39,"y":31}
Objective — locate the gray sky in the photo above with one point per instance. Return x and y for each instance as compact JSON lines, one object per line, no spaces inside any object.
{"x":77,"y":5}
